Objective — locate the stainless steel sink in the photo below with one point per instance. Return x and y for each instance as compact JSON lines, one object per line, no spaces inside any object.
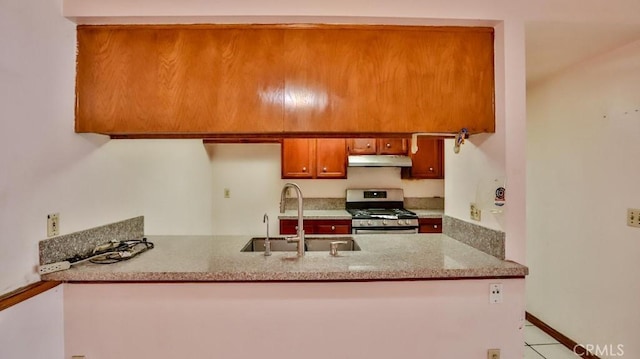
{"x":312,"y":244}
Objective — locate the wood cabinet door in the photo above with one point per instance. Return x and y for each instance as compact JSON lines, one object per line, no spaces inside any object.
{"x":362,"y":146}
{"x":389,"y":79}
{"x":330,"y":79}
{"x":298,"y":158}
{"x":430,"y":225}
{"x":179,"y":79}
{"x":392,"y":146}
{"x":331,"y":158}
{"x":428,"y":162}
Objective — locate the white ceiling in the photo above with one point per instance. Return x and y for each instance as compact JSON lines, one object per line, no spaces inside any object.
{"x":551,"y":47}
{"x":561,"y":33}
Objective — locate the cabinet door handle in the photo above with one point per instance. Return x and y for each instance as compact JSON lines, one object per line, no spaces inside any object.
{"x":333,"y":228}
{"x":388,"y":145}
{"x":324,"y":169}
{"x":430,"y":169}
{"x":435,"y":226}
{"x":304,"y":169}
{"x":368,"y":145}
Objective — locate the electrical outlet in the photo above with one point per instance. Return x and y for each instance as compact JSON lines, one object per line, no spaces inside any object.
{"x":53,"y":267}
{"x":633,"y":217}
{"x":227,"y":193}
{"x":78,"y":357}
{"x":495,"y":293}
{"x":53,"y":224}
{"x":475,"y":212}
{"x":493,"y":354}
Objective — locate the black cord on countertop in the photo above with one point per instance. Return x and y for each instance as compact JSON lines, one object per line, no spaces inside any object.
{"x":124,"y":251}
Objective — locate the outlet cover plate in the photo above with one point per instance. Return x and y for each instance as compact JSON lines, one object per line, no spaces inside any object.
{"x":53,"y":224}
{"x":475,"y":212}
{"x":633,"y":217}
{"x":495,"y":293}
{"x":493,"y":354}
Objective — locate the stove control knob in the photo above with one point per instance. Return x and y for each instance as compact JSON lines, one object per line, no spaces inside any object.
{"x":401,"y":222}
{"x":368,"y":223}
{"x":384,"y":222}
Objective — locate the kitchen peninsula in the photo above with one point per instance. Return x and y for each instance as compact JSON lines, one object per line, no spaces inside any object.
{"x":420,"y":291}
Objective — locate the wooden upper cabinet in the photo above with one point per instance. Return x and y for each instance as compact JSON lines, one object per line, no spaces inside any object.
{"x":389,"y":80}
{"x":428,"y":162}
{"x":377,"y":146}
{"x":331,"y":158}
{"x":298,"y":158}
{"x":392,"y":146}
{"x":314,"y":158}
{"x":200,"y":80}
{"x":179,"y":79}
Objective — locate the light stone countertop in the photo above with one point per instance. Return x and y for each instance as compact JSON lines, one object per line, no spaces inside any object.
{"x":316,"y":214}
{"x":428,"y":213}
{"x":218,"y":258}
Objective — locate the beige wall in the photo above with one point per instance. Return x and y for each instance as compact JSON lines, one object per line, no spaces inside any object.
{"x":584,"y":127}
{"x":45,"y":167}
{"x":252,"y":174}
{"x":375,"y":320}
{"x":34,"y":329}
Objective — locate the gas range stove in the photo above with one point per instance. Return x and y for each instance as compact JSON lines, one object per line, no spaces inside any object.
{"x":380,"y":211}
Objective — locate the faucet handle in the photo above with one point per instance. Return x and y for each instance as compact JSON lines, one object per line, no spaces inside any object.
{"x":333,"y":249}
{"x":292,"y":239}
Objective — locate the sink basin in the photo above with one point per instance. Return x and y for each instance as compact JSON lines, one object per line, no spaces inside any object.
{"x":312,"y":244}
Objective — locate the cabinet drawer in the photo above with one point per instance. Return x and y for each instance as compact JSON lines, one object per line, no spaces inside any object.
{"x":290,"y":226}
{"x":333,"y":229}
{"x":430,"y":225}
{"x":317,"y":226}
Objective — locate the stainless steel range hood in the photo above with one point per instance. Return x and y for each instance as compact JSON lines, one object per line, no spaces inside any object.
{"x":379,"y":161}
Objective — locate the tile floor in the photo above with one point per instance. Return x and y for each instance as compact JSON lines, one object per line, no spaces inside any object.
{"x":539,"y":345}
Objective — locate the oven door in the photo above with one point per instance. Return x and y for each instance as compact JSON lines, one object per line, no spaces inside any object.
{"x":384,"y":231}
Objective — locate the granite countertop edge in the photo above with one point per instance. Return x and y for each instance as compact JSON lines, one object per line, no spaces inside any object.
{"x":218,"y":259}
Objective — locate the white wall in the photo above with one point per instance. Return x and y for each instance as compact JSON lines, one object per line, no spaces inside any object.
{"x":252,"y":173}
{"x":375,"y":320}
{"x":34,"y":328}
{"x":583,"y":140}
{"x":46,"y":167}
{"x":496,"y":158}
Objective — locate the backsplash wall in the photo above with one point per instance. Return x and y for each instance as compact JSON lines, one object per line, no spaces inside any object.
{"x":251,"y":172}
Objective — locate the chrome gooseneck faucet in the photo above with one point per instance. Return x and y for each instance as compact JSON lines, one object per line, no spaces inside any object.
{"x":299,"y":238}
{"x":267,"y":242}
